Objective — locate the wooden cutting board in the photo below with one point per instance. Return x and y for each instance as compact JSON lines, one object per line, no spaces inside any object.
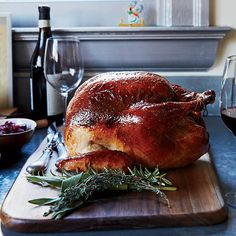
{"x":198,"y":201}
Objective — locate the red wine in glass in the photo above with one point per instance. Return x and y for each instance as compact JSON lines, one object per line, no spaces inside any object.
{"x":229,"y":117}
{"x":228,"y":109}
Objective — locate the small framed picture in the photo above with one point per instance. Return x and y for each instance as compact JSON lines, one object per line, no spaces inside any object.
{"x":6,"y":84}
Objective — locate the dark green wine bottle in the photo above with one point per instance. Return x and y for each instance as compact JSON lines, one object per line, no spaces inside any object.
{"x":46,"y":102}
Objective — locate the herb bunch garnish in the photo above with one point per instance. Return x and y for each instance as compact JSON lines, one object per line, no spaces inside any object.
{"x":78,"y":188}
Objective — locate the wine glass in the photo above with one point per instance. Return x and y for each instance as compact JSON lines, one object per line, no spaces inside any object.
{"x":228,"y":107}
{"x":63,"y":65}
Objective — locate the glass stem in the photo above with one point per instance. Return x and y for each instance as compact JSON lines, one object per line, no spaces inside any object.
{"x":65,"y":96}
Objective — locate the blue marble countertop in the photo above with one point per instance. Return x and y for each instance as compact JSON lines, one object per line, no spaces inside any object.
{"x":223,"y":150}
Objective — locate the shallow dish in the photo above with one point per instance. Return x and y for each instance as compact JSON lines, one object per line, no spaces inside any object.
{"x":17,"y":140}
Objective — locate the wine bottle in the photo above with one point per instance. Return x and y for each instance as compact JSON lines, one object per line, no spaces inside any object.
{"x":46,"y":102}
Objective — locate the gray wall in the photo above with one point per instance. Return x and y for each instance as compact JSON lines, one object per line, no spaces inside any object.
{"x":86,"y":13}
{"x":81,"y":13}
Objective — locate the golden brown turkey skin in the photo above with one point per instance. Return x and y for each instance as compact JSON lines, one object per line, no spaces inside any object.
{"x":138,"y":114}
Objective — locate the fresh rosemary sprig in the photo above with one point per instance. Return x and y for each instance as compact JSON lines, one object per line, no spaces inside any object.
{"x":78,"y":188}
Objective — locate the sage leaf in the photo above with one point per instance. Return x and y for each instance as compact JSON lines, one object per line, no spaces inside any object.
{"x":45,"y":180}
{"x":66,"y":210}
{"x":43,"y":201}
{"x":71,"y":182}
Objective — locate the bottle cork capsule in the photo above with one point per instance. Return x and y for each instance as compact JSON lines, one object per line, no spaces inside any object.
{"x":42,"y":123}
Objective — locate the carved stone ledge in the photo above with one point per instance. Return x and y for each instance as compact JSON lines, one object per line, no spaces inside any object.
{"x":143,"y":48}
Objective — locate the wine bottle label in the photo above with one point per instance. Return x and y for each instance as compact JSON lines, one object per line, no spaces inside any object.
{"x":55,"y":103}
{"x":44,"y":23}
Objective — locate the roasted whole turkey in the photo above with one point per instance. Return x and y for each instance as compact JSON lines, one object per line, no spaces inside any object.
{"x":118,"y":120}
